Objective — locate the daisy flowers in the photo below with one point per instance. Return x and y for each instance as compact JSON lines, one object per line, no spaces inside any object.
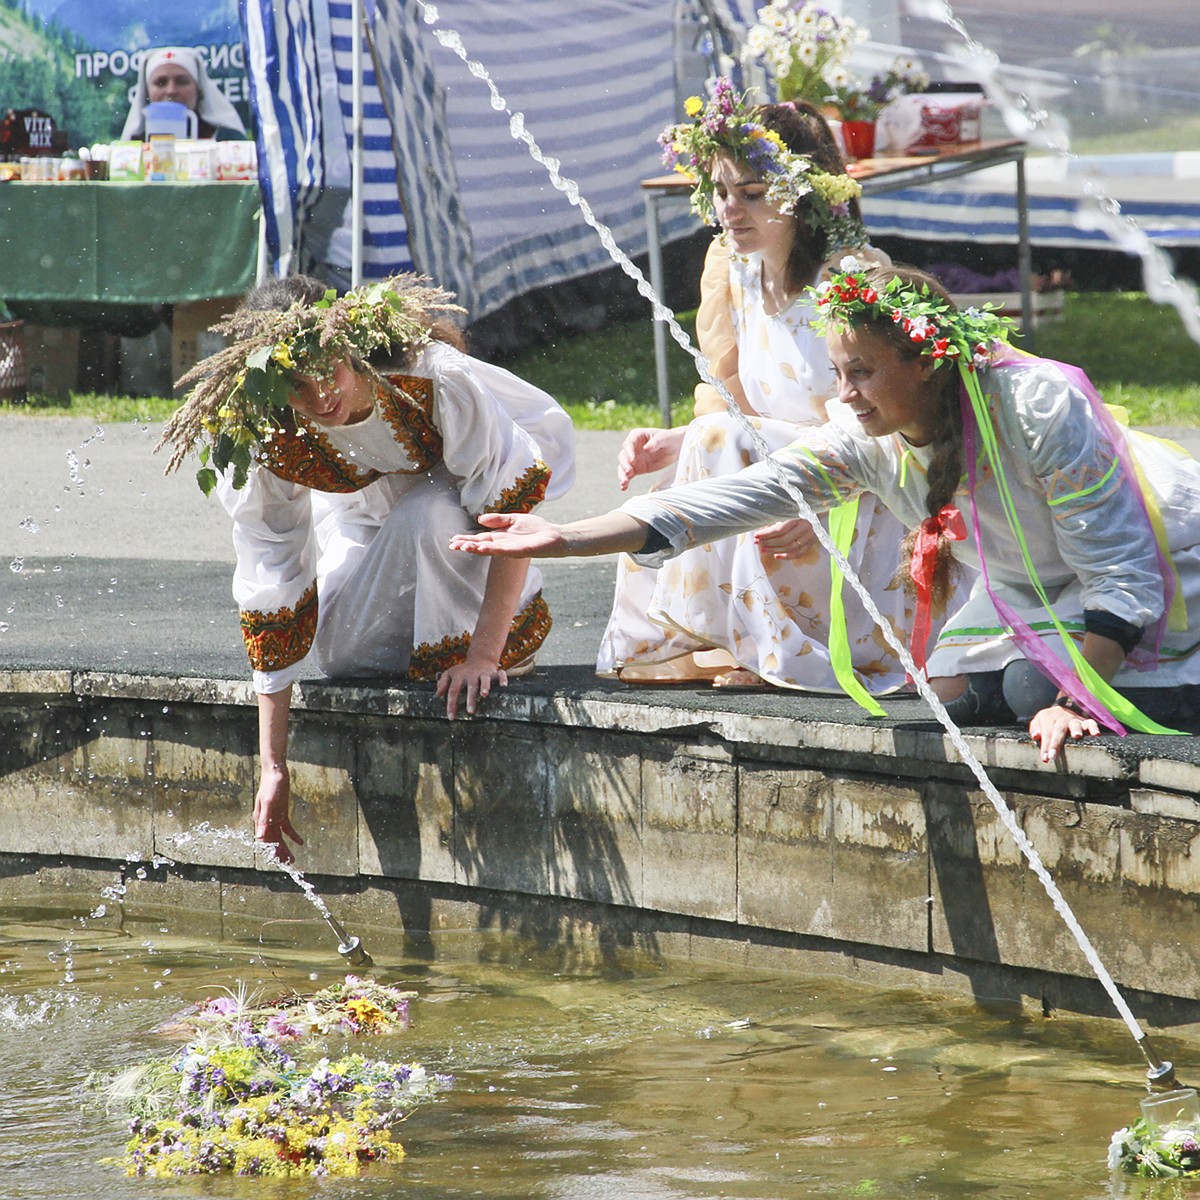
{"x":804,"y":47}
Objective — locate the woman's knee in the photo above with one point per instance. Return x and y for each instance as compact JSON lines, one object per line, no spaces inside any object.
{"x":981,"y":701}
{"x":1026,"y":690}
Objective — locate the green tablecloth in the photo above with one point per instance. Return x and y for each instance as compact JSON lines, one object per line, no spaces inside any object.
{"x":127,"y":243}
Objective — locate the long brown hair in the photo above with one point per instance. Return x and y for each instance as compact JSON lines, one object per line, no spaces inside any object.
{"x":805,"y":131}
{"x":946,"y":462}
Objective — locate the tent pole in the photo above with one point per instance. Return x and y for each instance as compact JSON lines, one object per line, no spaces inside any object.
{"x":356,"y":152}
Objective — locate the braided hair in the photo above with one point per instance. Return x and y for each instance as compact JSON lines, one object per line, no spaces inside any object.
{"x":946,"y":464}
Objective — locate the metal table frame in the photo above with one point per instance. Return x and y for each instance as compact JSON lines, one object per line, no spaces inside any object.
{"x":877,"y":175}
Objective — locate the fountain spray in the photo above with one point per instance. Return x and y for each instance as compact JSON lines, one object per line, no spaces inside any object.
{"x":1161,"y":1071}
{"x":351,"y":949}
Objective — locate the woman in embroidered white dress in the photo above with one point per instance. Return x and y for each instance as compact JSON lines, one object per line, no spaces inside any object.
{"x":358,"y":439}
{"x":1086,"y":611}
{"x":757,"y":606}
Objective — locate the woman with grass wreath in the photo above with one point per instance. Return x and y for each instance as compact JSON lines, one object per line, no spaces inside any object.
{"x":349,"y":438}
{"x":761,"y":606}
{"x":1086,"y":611}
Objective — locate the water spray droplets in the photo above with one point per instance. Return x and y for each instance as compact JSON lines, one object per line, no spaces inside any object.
{"x":985,"y":65}
{"x":1098,"y":211}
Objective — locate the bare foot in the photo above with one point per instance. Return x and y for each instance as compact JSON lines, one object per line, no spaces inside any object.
{"x":739,"y":677}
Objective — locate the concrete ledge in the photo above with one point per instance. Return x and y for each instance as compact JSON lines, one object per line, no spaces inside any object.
{"x":708,"y":827}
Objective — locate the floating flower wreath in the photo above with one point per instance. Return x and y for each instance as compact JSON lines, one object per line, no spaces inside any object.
{"x":1155,"y":1152}
{"x":253,"y":1093}
{"x":726,"y":124}
{"x":945,"y":334}
{"x":239,"y":396}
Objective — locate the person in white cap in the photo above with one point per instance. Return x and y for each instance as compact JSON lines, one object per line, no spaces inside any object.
{"x":178,"y":73}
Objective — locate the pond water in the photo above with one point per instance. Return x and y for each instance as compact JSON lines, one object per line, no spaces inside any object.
{"x":668,"y":1081}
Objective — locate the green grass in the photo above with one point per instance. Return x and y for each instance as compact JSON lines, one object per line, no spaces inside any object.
{"x":1136,"y":135}
{"x":606,"y":380}
{"x":1138,"y":355}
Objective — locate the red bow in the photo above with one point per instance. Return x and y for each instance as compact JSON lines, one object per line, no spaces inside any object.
{"x":947,"y":524}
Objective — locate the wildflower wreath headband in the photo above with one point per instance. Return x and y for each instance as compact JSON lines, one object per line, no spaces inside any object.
{"x":240,"y":395}
{"x":726,"y":124}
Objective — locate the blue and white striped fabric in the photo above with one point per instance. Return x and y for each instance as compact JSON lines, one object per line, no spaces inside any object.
{"x":594,"y":81}
{"x":385,"y":249}
{"x":281,"y":50}
{"x":1157,"y":192}
{"x":418,"y":153}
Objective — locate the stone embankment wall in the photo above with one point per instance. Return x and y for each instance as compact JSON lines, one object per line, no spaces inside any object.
{"x":866,"y":849}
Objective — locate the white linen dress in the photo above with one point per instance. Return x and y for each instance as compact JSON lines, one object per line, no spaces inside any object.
{"x":771,"y":616}
{"x":342,"y":533}
{"x":1090,"y":543}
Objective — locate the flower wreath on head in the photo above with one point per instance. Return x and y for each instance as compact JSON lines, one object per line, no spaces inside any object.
{"x":240,"y":395}
{"x":726,"y":124}
{"x":974,"y":340}
{"x":945,"y":334}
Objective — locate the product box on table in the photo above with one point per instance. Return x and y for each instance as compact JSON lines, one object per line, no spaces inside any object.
{"x":190,"y":337}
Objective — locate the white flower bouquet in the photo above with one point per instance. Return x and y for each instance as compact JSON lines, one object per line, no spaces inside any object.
{"x":804,"y":48}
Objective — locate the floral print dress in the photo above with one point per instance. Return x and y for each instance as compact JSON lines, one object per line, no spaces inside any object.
{"x":1085,"y":534}
{"x":771,"y":616}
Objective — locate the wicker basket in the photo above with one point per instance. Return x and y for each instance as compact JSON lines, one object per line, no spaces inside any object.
{"x":12,"y":362}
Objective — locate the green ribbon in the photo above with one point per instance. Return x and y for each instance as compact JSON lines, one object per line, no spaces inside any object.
{"x":1118,"y":706}
{"x":842,"y":521}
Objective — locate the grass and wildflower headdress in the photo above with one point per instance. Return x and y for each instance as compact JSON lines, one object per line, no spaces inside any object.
{"x":239,"y":396}
{"x":966,"y":339}
{"x":726,"y":124}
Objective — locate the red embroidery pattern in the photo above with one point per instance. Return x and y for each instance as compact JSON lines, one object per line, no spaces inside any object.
{"x":408,"y":409}
{"x":304,"y":456}
{"x":277,"y":639}
{"x":529,"y":629}
{"x":527,"y":493}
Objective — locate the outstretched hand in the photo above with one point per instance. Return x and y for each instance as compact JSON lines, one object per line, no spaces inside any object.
{"x":646,"y":450}
{"x":519,"y":535}
{"x":1051,"y":727}
{"x":271,"y":820}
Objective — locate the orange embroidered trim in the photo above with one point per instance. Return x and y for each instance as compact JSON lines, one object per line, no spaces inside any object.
{"x":529,"y":629}
{"x":412,"y":422}
{"x":278,"y":639}
{"x":304,"y":456}
{"x":527,"y":493}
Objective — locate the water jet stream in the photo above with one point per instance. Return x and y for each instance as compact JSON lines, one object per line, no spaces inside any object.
{"x":349,"y":947}
{"x":1160,"y":1073}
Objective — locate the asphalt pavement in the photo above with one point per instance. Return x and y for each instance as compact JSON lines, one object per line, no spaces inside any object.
{"x":110,"y":566}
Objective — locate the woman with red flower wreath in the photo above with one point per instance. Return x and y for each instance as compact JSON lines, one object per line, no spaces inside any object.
{"x":1086,"y":612}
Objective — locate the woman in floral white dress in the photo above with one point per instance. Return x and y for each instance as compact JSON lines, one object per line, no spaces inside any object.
{"x":757,"y":607}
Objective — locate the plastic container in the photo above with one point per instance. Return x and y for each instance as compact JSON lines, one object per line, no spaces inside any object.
{"x":1180,"y":1107}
